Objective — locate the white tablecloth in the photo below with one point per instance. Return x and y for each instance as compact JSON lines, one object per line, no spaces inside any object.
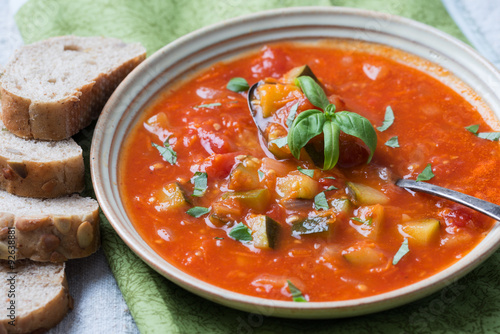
{"x":99,"y":305}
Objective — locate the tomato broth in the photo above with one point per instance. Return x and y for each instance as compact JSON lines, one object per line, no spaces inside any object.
{"x":359,"y":250}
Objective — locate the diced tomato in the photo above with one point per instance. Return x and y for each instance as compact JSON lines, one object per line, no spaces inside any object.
{"x":219,"y":165}
{"x":214,"y":142}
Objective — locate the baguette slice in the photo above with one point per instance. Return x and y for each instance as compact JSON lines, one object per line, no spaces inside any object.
{"x":43,"y":169}
{"x":53,"y":230}
{"x":39,"y":294}
{"x":52,"y":89}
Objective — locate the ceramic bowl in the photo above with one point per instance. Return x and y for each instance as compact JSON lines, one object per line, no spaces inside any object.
{"x":197,"y":50}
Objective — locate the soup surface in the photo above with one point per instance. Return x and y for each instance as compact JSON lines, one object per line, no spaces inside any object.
{"x":269,"y":225}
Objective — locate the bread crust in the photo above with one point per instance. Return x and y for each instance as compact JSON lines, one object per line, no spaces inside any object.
{"x":42,"y":179}
{"x":45,"y":316}
{"x":57,"y":120}
{"x":48,"y":238}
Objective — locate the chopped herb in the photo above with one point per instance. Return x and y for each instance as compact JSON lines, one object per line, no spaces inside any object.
{"x":393,"y":142}
{"x":219,"y":238}
{"x":261,"y":175}
{"x":209,"y":105}
{"x":331,"y":188}
{"x":320,"y":202}
{"x":308,"y":172}
{"x":280,"y":142}
{"x":241,"y":233}
{"x":238,"y":85}
{"x":388,"y":119}
{"x":472,"y":128}
{"x":296,"y":293}
{"x":365,"y":222}
{"x":329,"y":177}
{"x":200,"y":183}
{"x":426,"y":174}
{"x":403,"y":250}
{"x":167,"y":152}
{"x":198,"y":211}
{"x":493,"y":136}
{"x":291,"y":115}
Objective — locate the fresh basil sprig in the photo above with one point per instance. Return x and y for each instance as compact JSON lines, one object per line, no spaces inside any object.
{"x":313,"y":122}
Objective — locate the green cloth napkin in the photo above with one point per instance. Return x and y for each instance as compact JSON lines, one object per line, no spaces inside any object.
{"x":469,"y":305}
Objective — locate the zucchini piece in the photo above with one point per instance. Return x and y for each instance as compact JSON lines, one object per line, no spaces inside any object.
{"x":264,"y":231}
{"x":257,"y":199}
{"x":297,"y":185}
{"x":277,"y":132}
{"x":313,"y":225}
{"x":365,"y":195}
{"x":245,"y":175}
{"x":422,"y":231}
{"x":299,"y":71}
{"x":171,"y":196}
{"x":364,"y":255}
{"x":341,"y":206}
{"x":373,"y":216}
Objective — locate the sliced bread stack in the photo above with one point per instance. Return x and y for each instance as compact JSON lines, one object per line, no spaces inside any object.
{"x":49,"y":91}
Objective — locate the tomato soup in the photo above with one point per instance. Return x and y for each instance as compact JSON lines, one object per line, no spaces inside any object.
{"x":231,"y":206}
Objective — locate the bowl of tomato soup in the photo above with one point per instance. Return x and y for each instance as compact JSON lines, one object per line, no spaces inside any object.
{"x":303,"y":218}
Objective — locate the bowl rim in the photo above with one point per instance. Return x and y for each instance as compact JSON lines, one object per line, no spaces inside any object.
{"x":330,"y":309}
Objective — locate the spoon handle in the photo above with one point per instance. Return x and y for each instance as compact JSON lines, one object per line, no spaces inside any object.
{"x":485,"y":207}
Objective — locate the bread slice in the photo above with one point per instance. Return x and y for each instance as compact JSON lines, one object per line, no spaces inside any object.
{"x":53,"y":230}
{"x":52,"y":89}
{"x":34,"y":296}
{"x":43,"y":169}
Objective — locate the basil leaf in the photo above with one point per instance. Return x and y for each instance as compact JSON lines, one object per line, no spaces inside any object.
{"x":393,"y":142}
{"x":308,"y":172}
{"x":200,"y":184}
{"x":219,"y":238}
{"x":292,"y":115}
{"x":329,"y":177}
{"x":209,"y":105}
{"x":365,"y":222}
{"x":320,"y":202}
{"x":331,"y":188}
{"x":493,"y":136}
{"x":388,"y":119}
{"x":261,"y":175}
{"x":238,"y":85}
{"x":403,"y":250}
{"x":358,"y":126}
{"x":241,"y":232}
{"x":306,"y":126}
{"x":280,"y":142}
{"x":331,"y":141}
{"x":198,"y":211}
{"x":167,"y":152}
{"x":426,"y":174}
{"x":296,"y":293}
{"x":472,"y":128}
{"x":313,"y":92}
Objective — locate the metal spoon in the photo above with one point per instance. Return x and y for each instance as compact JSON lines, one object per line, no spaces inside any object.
{"x":489,"y":209}
{"x":260,"y":121}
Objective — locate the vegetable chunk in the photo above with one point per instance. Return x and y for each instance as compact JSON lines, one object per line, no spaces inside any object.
{"x":264,"y":231}
{"x":257,"y":199}
{"x":422,"y":231}
{"x":170,"y":197}
{"x":365,"y":195}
